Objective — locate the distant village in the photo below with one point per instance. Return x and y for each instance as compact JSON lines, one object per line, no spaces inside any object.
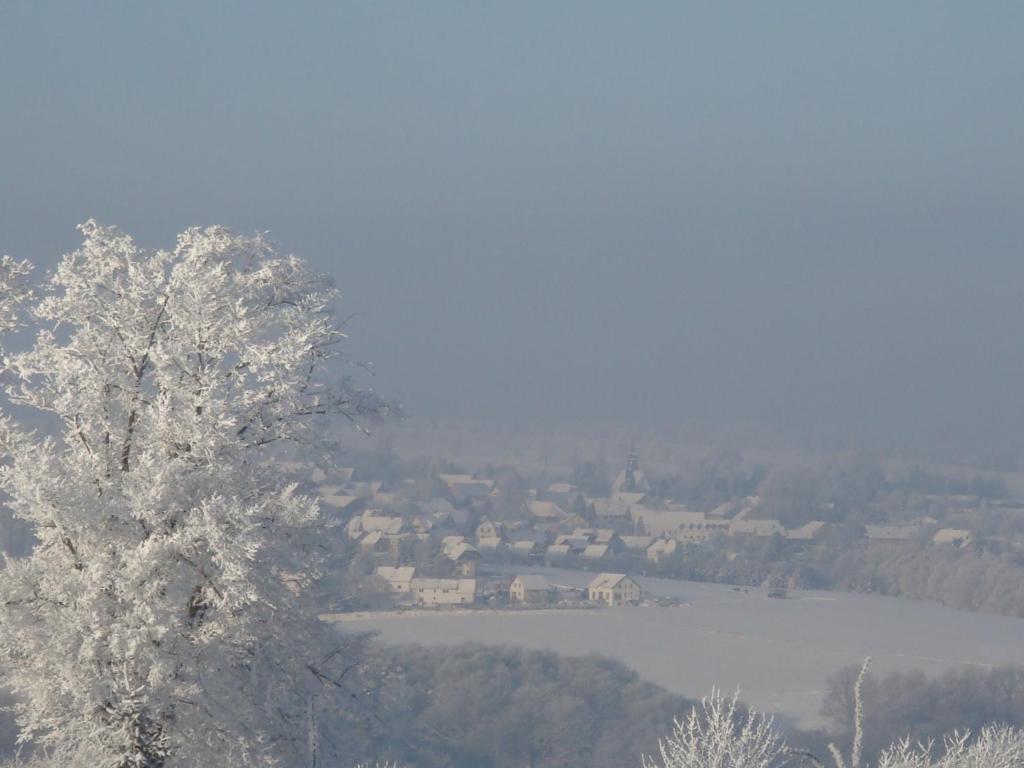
{"x":425,"y":548}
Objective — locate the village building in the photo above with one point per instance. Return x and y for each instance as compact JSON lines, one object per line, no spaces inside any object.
{"x":451,"y":541}
{"x":375,"y":543}
{"x":575,"y":543}
{"x":398,"y":579}
{"x":679,"y":523}
{"x":372,"y":521}
{"x":892,"y":533}
{"x":334,"y":499}
{"x":565,"y":495}
{"x":340,"y":475}
{"x":811,"y":531}
{"x":575,"y":521}
{"x":530,"y":589}
{"x":440,"y":592}
{"x":631,"y":479}
{"x":388,"y":548}
{"x":386,"y":498}
{"x":636,"y":545}
{"x":465,"y":557}
{"x":435,"y":508}
{"x":489,"y":530}
{"x":528,"y":548}
{"x":725,"y":510}
{"x":953,"y":537}
{"x":617,"y":507}
{"x":758,"y":528}
{"x":559,"y":553}
{"x":491,"y":545}
{"x":661,"y":549}
{"x":421,"y":524}
{"x":546,"y":510}
{"x":594,"y":552}
{"x":613,"y":589}
{"x":747,"y":508}
{"x":556,"y":489}
{"x":466,"y":487}
{"x":601,"y":536}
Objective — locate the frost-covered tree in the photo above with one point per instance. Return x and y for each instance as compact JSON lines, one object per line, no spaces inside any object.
{"x":994,"y":747}
{"x":161,"y":619}
{"x":14,"y":290}
{"x":719,"y":734}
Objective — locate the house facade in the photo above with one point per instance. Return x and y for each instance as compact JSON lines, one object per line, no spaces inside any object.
{"x":431,"y":593}
{"x":529,"y":589}
{"x":613,"y":589}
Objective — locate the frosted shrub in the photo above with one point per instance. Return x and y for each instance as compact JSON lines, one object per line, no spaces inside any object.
{"x":994,"y":747}
{"x":718,"y":734}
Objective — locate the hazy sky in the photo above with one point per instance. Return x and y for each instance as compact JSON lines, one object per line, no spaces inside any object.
{"x":806,"y":214}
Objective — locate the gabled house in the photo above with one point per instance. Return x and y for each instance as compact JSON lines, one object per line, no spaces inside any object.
{"x":595,"y":552}
{"x":546,"y":510}
{"x":528,"y":548}
{"x":489,"y":530}
{"x":465,"y":557}
{"x":613,"y":589}
{"x":398,"y":579}
{"x":661,"y":549}
{"x":559,"y":552}
{"x":530,"y":589}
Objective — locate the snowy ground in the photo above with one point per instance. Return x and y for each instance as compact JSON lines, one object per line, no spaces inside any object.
{"x":778,"y":652}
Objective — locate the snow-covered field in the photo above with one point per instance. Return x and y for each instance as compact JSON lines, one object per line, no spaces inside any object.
{"x":778,"y":652}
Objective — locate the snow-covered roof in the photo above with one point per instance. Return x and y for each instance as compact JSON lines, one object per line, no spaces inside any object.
{"x":608,"y":580}
{"x":532,"y":582}
{"x":547,"y":510}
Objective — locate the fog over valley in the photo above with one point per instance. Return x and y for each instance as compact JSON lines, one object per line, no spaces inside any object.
{"x":493,"y":385}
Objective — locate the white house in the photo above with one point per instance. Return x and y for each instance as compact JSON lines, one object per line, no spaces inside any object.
{"x":435,"y":592}
{"x":613,"y":589}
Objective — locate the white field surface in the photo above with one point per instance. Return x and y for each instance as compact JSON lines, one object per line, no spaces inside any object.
{"x":778,"y":653}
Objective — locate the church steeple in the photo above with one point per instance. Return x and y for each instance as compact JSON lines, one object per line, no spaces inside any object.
{"x":632,"y":465}
{"x":631,"y":479}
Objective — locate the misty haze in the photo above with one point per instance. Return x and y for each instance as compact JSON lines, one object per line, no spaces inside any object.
{"x":496,"y":385}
